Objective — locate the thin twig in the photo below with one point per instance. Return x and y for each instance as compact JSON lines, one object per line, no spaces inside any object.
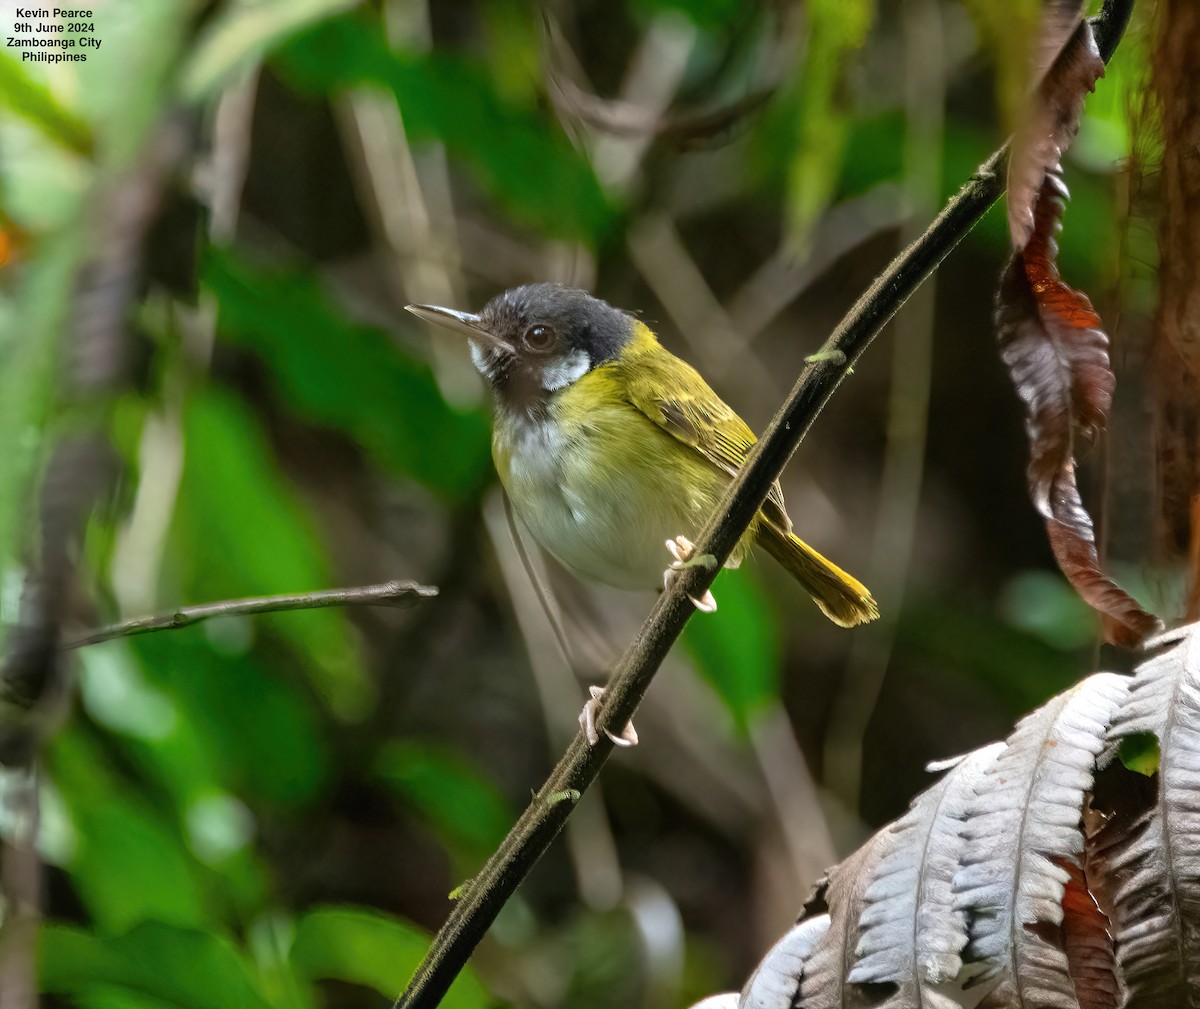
{"x":395,"y":594}
{"x":490,"y":889}
{"x":621,"y":117}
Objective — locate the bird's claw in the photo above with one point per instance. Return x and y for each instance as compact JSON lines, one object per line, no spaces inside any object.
{"x":682,"y":549}
{"x":587,"y":721}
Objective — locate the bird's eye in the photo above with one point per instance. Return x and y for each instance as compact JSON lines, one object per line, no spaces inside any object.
{"x":539,"y":338}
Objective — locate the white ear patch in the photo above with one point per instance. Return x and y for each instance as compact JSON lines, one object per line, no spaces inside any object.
{"x":570,"y":368}
{"x":484,"y":360}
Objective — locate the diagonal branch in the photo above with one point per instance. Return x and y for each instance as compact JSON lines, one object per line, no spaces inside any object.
{"x":396,"y":594}
{"x":488,"y":891}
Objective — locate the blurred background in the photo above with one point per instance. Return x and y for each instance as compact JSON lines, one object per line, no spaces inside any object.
{"x":210,"y":229}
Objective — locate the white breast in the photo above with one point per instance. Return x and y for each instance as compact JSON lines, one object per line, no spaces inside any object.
{"x":612,"y":530}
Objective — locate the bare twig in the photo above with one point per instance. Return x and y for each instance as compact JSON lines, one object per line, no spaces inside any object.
{"x":395,"y":594}
{"x":628,"y":119}
{"x":622,"y":117}
{"x":491,"y":888}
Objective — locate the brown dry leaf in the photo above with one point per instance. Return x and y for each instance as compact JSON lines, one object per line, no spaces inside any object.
{"x":1073,"y":541}
{"x":1056,"y":351}
{"x":1059,"y":20}
{"x":1088,"y":944}
{"x":1052,"y":120}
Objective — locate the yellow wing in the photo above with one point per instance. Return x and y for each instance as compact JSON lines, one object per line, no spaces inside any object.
{"x":673,"y":395}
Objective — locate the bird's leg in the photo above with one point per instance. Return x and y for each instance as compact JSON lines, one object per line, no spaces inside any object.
{"x":587,"y":721}
{"x":681,"y":548}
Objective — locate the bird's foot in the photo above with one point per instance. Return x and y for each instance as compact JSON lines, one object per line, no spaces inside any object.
{"x":587,"y":721}
{"x":682,"y":549}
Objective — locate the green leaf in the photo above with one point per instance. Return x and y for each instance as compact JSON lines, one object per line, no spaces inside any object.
{"x":349,"y":376}
{"x":465,"y":807}
{"x":517,"y":153}
{"x":32,"y":101}
{"x":265,"y":747}
{"x":737,"y":649}
{"x":955,"y":642}
{"x":186,"y":968}
{"x":241,"y":530}
{"x":835,"y":29}
{"x":120,"y":998}
{"x":1045,"y":605}
{"x":242,"y":33}
{"x":130,"y":863}
{"x":363,"y":947}
{"x":1140,"y":752}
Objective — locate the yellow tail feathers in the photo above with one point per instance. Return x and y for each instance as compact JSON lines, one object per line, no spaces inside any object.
{"x":841,"y":597}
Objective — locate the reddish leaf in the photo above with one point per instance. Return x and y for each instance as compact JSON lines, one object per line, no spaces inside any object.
{"x":1052,"y":120}
{"x":1056,"y":352}
{"x":1057,"y":355}
{"x":1091,"y":958}
{"x":1074,"y":544}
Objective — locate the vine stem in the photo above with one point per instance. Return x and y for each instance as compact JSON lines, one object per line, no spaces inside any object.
{"x":483,"y":897}
{"x":395,"y":594}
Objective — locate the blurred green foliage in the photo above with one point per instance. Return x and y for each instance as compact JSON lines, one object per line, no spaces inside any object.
{"x":33,"y":102}
{"x":835,"y":30}
{"x":273,"y":811}
{"x":739,"y":654}
{"x":529,"y":169}
{"x":332,"y":371}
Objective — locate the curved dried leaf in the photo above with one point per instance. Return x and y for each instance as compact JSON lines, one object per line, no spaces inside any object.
{"x":912,"y":935}
{"x":775,"y":982}
{"x":1073,"y":541}
{"x":1088,"y":944}
{"x":824,"y":982}
{"x":1056,"y":352}
{"x":1052,"y":342}
{"x":1026,"y":815}
{"x":1149,"y":866}
{"x":1051,"y":122}
{"x":1059,"y":20}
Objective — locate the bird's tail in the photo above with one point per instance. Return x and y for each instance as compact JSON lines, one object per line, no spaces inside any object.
{"x":841,"y":597}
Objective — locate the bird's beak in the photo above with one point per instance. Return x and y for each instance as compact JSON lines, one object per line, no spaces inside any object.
{"x":463,"y":323}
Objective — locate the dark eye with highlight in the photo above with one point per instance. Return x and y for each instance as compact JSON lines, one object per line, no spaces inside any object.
{"x":539,"y":337}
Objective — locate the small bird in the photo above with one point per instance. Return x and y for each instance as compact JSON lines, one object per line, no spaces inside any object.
{"x":610,"y":446}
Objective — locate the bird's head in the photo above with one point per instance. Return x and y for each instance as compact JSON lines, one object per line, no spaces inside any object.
{"x":534,"y":340}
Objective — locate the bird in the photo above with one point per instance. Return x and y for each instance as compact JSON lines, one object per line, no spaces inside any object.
{"x":609,"y":446}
